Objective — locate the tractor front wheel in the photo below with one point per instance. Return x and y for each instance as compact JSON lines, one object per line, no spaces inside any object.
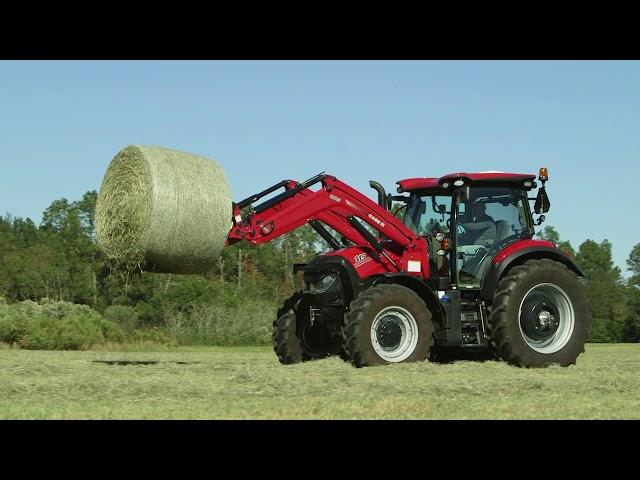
{"x":540,"y":315}
{"x":387,"y":324}
{"x":296,"y":340}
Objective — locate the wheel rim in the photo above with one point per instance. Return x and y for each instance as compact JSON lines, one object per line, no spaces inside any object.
{"x":546,"y":318}
{"x":394,"y":334}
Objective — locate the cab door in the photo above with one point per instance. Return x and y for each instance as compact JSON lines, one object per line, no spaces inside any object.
{"x":487,"y":219}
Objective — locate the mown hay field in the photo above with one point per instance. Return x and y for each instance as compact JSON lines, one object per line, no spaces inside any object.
{"x":249,"y":383}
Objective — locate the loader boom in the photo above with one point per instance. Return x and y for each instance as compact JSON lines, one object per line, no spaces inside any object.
{"x":335,"y":204}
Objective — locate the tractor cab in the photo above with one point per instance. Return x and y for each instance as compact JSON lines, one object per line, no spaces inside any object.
{"x":468,"y":218}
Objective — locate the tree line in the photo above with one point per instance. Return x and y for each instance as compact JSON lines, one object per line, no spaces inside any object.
{"x":59,"y":260}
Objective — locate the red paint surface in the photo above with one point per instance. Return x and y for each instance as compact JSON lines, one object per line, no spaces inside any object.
{"x":519,"y":245}
{"x":416,"y":183}
{"x":367,"y":263}
{"x":419,"y":183}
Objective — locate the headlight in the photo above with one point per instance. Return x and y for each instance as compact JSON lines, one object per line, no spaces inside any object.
{"x":323,"y":284}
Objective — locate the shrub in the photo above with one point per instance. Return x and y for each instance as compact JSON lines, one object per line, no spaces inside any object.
{"x":28,"y":308}
{"x":152,"y":335}
{"x":12,"y":327}
{"x":58,"y":309}
{"x":184,"y":293}
{"x":125,"y":317}
{"x":53,"y":325}
{"x":247,"y":324}
{"x":111,"y":332}
{"x":76,"y":333}
{"x":40,"y":334}
{"x":147,"y":315}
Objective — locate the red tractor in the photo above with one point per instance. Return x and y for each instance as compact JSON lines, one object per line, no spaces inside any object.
{"x":453,"y":273}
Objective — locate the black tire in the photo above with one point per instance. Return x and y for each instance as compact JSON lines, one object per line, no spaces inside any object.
{"x":356,"y":332}
{"x":295,"y":340}
{"x":507,"y":326}
{"x":286,"y":343}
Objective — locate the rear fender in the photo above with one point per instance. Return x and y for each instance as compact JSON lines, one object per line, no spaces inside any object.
{"x":503,"y":263}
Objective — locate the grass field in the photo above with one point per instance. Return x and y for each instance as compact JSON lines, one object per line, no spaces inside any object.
{"x":249,"y":383}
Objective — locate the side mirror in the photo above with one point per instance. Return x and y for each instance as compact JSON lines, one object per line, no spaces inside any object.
{"x":389,"y":199}
{"x":542,"y":201}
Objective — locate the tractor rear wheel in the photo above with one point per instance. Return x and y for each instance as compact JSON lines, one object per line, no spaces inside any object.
{"x":295,"y":340}
{"x":387,"y":324}
{"x":540,"y":315}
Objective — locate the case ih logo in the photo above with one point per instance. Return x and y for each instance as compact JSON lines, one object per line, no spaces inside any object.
{"x":360,"y":258}
{"x":334,"y":197}
{"x":377,"y":220}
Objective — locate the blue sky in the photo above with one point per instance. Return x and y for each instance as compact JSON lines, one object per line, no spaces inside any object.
{"x":61,"y":123}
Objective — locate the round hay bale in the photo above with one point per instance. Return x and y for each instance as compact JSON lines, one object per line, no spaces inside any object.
{"x":162,"y":210}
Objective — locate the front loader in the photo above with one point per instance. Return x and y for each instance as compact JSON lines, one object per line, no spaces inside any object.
{"x":458,"y":276}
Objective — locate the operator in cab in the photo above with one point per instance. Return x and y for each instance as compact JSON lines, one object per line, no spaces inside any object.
{"x":481,"y":232}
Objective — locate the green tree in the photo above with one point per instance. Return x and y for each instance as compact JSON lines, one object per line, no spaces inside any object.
{"x":632,"y":324}
{"x":633,"y":263}
{"x":604,"y":290}
{"x":67,"y":228}
{"x":551,"y":234}
{"x":7,"y":248}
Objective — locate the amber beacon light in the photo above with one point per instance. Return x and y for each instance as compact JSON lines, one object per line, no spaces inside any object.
{"x":543,"y":176}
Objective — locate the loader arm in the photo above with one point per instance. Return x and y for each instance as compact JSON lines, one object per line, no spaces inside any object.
{"x":335,"y":204}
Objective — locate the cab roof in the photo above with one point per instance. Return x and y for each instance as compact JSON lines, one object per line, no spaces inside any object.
{"x":479,"y":177}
